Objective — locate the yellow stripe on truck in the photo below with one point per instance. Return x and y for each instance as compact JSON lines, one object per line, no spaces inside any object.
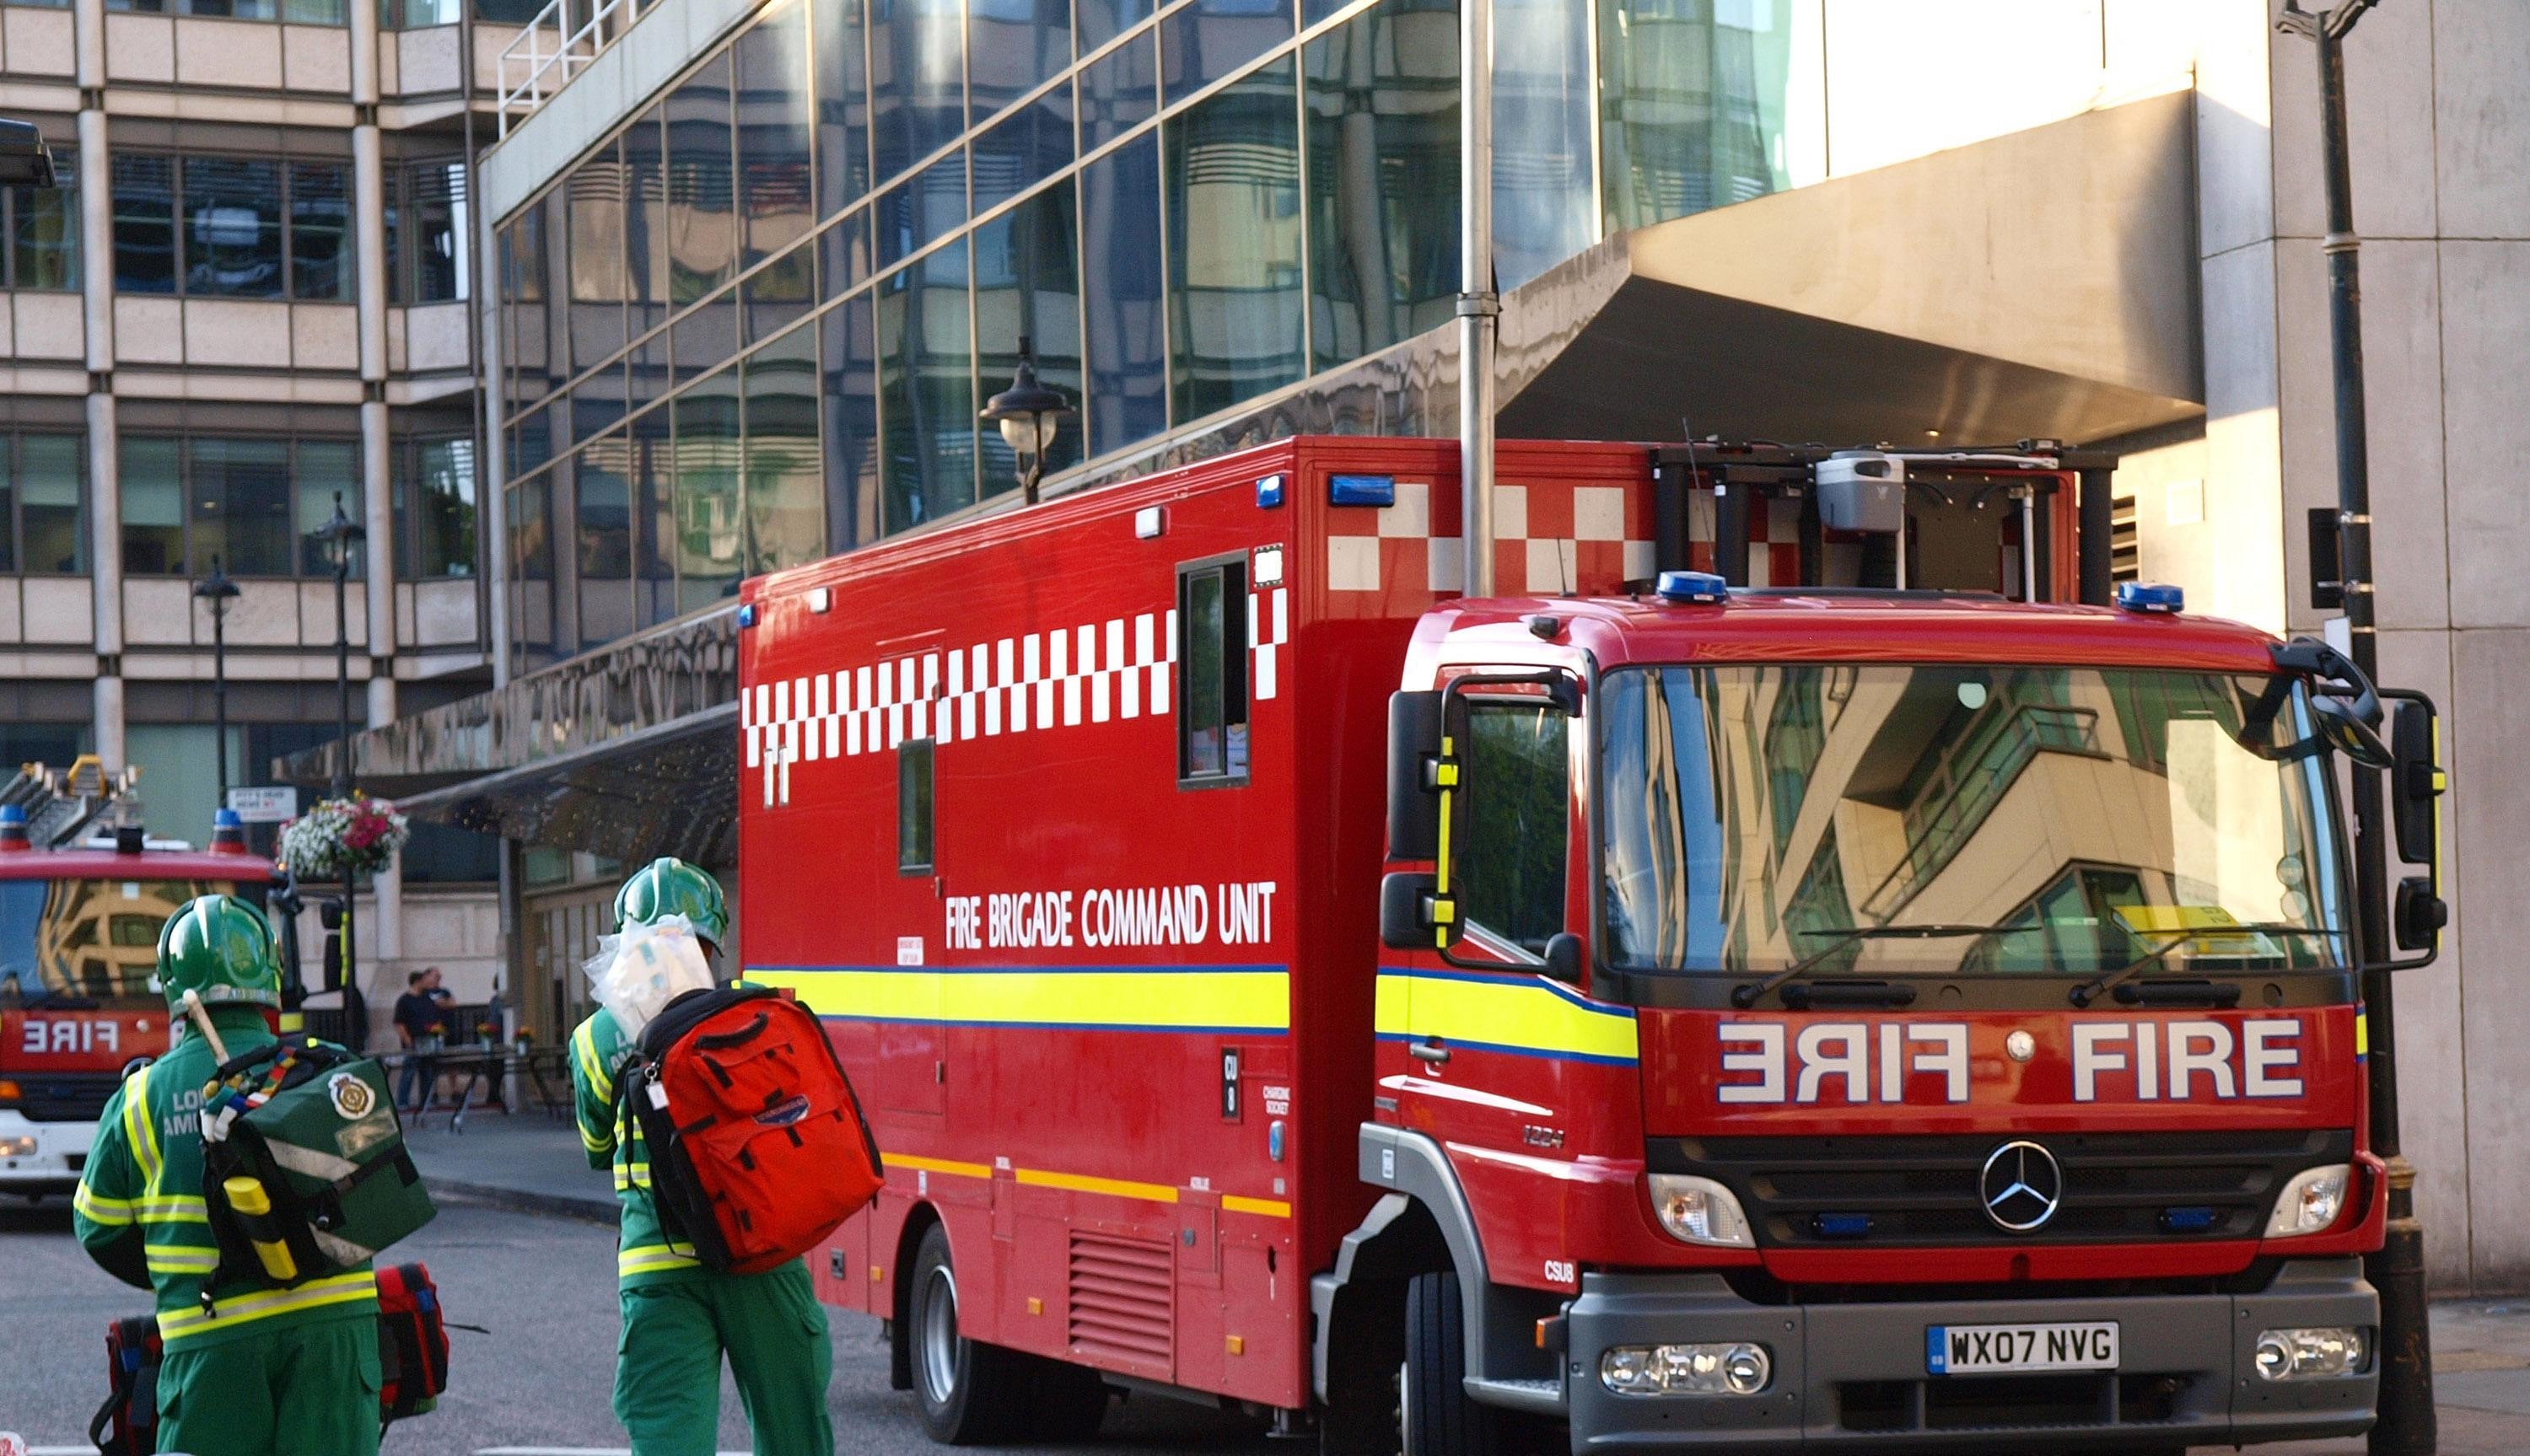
{"x":1515,"y":1011}
{"x":1245,"y":999}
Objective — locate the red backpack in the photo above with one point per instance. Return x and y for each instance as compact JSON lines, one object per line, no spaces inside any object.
{"x":412,"y":1342}
{"x":127,"y":1425}
{"x":758,"y":1149}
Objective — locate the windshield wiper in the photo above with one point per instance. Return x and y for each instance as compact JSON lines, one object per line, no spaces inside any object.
{"x":2098,"y":986}
{"x":1748,"y":995}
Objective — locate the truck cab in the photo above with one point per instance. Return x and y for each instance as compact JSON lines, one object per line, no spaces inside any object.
{"x":1861,"y":1019}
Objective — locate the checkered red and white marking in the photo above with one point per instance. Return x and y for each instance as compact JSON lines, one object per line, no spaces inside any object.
{"x":1549,"y":540}
{"x":1034,"y":682}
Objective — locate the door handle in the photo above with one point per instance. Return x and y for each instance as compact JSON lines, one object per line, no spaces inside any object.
{"x":1432,"y":1052}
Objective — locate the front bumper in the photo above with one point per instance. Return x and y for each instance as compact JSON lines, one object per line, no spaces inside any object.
{"x":1852,"y":1377}
{"x":60,"y":1152}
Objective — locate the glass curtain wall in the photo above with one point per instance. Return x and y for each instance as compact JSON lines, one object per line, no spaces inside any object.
{"x":754,"y":325}
{"x":44,"y":499}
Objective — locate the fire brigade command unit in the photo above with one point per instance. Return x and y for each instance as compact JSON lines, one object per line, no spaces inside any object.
{"x":1777,"y":975}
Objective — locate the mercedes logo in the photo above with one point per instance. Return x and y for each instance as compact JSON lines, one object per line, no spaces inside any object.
{"x":2020,"y":1186}
{"x":2020,"y":1046}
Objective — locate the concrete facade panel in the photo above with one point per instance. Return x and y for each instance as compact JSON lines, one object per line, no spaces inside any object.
{"x":444,"y":614}
{"x":13,"y":618}
{"x":157,"y":611}
{"x":325,"y":336}
{"x":2243,"y":448}
{"x":141,"y":48}
{"x":228,"y":53}
{"x":2486,"y":335}
{"x":2482,"y":117}
{"x":2492,"y":788}
{"x":38,"y":42}
{"x":236,"y":333}
{"x":425,"y":62}
{"x":316,"y":58}
{"x":49,"y":326}
{"x":266,"y":615}
{"x":59,"y":610}
{"x":434,"y":338}
{"x":149,"y":331}
{"x":2390,"y":106}
{"x":2235,"y":144}
{"x":316,"y":615}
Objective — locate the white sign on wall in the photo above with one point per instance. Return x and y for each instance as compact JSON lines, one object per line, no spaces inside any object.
{"x":270,"y":805}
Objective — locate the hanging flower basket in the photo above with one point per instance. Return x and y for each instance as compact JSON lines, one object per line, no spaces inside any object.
{"x":355,"y":835}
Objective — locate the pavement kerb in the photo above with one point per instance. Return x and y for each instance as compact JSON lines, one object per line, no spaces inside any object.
{"x":518,"y":1200}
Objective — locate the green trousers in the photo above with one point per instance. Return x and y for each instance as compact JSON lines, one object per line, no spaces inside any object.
{"x":299,"y":1390}
{"x":667,"y":1370}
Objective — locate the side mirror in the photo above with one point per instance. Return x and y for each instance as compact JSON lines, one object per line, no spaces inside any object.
{"x":1413,"y":749}
{"x":1564,"y":957}
{"x":2342,"y":724}
{"x":1412,"y":914}
{"x":2416,"y":786}
{"x":2416,"y":922}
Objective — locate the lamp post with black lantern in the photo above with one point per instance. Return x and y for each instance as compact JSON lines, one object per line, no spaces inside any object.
{"x":341,"y":536}
{"x":218,"y":590}
{"x":1028,"y":413}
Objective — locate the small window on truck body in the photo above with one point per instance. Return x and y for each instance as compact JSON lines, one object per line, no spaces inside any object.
{"x":914,"y":820}
{"x":1511,"y":845}
{"x":1212,"y":672}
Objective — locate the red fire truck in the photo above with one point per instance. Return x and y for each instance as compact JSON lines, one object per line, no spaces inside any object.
{"x":1685,"y":1015}
{"x":82,"y":899}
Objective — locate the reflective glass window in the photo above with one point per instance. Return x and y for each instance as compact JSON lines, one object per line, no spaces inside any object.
{"x":531,"y":440}
{"x":1014,"y":47}
{"x":322,"y":256}
{"x":1209,"y":39}
{"x":1692,"y":105}
{"x":927,"y":389}
{"x":773,"y":298}
{"x":144,"y":223}
{"x":844,"y":254}
{"x":151,"y":475}
{"x":1543,"y":210}
{"x":522,"y":292}
{"x":438,"y":509}
{"x":710,"y":514}
{"x":596,"y":404}
{"x":326,"y":471}
{"x":1023,"y":149}
{"x":593,"y":217}
{"x":930,"y":204}
{"x":1383,"y":178}
{"x":1233,"y":210}
{"x":784,"y":480}
{"x":1028,"y":291}
{"x":702,"y":233}
{"x":654,"y":519}
{"x":44,"y":229}
{"x":233,"y":227}
{"x":705,"y":337}
{"x":52,"y":488}
{"x":918,"y":79}
{"x":530,"y":513}
{"x":602,"y":486}
{"x":849,"y":348}
{"x":240,"y":492}
{"x":843,"y":103}
{"x":1122,"y":295}
{"x":1119,"y":90}
{"x":429,"y":228}
{"x":776,"y":184}
{"x":646,"y":220}
{"x":1102,"y":21}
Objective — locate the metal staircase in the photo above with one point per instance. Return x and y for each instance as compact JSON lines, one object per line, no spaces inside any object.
{"x":62,"y":805}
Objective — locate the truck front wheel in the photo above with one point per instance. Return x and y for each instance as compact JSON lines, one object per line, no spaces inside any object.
{"x":969,"y":1392}
{"x":1439,"y":1418}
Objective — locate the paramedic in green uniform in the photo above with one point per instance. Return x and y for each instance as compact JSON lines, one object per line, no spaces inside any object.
{"x":250,"y":1370}
{"x":679,"y":1316}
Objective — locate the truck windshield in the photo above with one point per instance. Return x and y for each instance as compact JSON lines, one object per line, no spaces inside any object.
{"x":86,"y":939}
{"x":2045,"y":820}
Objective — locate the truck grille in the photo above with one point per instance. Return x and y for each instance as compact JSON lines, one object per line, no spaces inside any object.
{"x":2117,"y":1187}
{"x":1123,"y":1304}
{"x":64,"y":1096}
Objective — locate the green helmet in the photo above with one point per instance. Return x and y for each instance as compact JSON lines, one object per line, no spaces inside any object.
{"x":671,"y":887}
{"x":220,"y":948}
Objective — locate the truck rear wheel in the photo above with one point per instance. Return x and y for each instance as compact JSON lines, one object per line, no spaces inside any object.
{"x":1438,"y":1417}
{"x":969,"y":1392}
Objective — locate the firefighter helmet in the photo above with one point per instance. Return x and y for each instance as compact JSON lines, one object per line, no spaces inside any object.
{"x":671,"y":887}
{"x":219,"y":948}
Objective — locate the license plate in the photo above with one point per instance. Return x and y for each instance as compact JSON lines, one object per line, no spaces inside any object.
{"x":2008,"y":1349}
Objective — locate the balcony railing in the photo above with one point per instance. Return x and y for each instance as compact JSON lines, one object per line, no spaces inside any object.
{"x":564,"y":37}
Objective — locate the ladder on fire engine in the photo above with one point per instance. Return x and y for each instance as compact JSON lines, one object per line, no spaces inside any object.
{"x":61,"y":804}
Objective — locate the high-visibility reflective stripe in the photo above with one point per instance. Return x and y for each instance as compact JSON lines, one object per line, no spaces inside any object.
{"x":632,"y":1176}
{"x":2362,"y":1034}
{"x":171,"y":1208}
{"x":140,"y":1129}
{"x":653,"y":1258}
{"x":1516,"y":1011}
{"x":1083,"y":1183}
{"x":177,"y":1326}
{"x":1272,"y":1208}
{"x":938,"y":1166}
{"x":181,"y":1258}
{"x":112,"y":1211}
{"x":1251,"y":1000}
{"x":585,"y":1045}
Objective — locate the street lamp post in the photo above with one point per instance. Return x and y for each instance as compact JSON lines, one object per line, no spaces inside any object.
{"x":1030,"y":414}
{"x":343,"y":535}
{"x":218,"y":590}
{"x":2407,"y":1425}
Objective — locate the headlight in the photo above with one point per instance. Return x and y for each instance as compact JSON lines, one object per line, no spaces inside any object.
{"x":2310,"y":1203}
{"x":17,"y":1146}
{"x":1686,"y":1369}
{"x":2310,"y":1354}
{"x":1699,"y":1210}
